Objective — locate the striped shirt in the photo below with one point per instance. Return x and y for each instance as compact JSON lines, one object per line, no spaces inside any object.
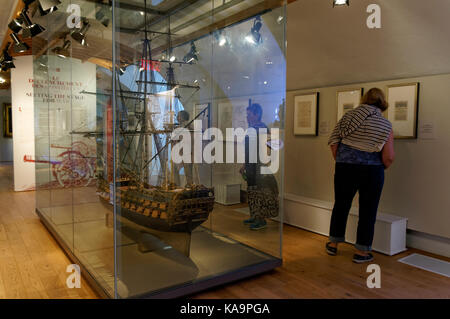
{"x":363,"y":128}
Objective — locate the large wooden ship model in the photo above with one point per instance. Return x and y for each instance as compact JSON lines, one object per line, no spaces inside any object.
{"x":143,"y":143}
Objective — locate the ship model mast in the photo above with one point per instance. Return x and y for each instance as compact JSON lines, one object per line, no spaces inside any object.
{"x":161,"y":206}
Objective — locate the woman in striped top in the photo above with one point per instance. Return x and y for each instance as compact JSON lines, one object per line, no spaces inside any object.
{"x":362,"y":144}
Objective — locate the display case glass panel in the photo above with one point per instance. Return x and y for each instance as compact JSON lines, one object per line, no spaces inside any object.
{"x":159,"y":140}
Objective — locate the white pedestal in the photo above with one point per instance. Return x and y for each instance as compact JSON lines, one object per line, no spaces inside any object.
{"x":227,"y":194}
{"x":315,"y":215}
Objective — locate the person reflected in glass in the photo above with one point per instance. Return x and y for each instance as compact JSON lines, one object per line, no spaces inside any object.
{"x":186,"y":168}
{"x":262,"y":189}
{"x":362,"y":144}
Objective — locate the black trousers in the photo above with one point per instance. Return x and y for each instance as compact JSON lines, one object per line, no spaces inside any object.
{"x":368,"y":180}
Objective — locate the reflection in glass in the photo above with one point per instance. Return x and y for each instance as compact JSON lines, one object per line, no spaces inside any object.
{"x":110,"y":187}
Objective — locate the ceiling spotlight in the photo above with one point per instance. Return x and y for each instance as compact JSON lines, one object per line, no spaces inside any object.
{"x":63,"y":52}
{"x":16,"y":25}
{"x":254,"y":37}
{"x":6,"y":61}
{"x":222,"y":41}
{"x":2,"y":80}
{"x":42,"y":64}
{"x":19,"y":46}
{"x":192,"y":55}
{"x":170,"y":56}
{"x":48,"y":6}
{"x":338,"y":3}
{"x":221,"y":38}
{"x":103,"y":16}
{"x":79,"y":35}
{"x":122,"y":69}
{"x":27,"y":3}
{"x":31,"y":29}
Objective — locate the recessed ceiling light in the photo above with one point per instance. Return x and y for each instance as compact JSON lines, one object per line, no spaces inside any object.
{"x":220,"y":37}
{"x":337,"y":3}
{"x":222,"y":41}
{"x":250,"y":39}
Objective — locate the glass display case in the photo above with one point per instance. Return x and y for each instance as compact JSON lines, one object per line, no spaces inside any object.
{"x":159,"y":140}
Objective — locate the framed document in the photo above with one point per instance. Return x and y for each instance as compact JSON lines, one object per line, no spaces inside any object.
{"x":403,"y":109}
{"x":232,"y":114}
{"x":347,"y":100}
{"x":306,"y":114}
{"x":7,"y":120}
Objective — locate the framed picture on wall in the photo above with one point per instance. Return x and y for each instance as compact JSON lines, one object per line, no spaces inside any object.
{"x":306,"y":114}
{"x":232,"y":114}
{"x":7,"y":120}
{"x":403,"y":109}
{"x":347,"y":100}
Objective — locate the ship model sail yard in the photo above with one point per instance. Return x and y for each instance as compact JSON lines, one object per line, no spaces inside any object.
{"x":145,"y":128}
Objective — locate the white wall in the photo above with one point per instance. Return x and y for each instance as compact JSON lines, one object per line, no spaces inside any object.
{"x":6,"y":144}
{"x":418,"y":183}
{"x":332,"y":46}
{"x":23,"y":122}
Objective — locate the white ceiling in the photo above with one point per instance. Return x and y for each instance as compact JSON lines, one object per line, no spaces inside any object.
{"x":333,"y":46}
{"x":6,"y":12}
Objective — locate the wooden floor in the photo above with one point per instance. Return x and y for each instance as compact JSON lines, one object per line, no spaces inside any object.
{"x":32,"y":265}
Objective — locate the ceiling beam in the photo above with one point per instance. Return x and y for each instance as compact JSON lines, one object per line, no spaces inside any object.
{"x":171,"y":11}
{"x":128,"y":6}
{"x":240,"y":16}
{"x":205,"y":15}
{"x":133,"y":7}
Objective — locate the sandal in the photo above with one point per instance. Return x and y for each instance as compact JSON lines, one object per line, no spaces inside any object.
{"x":359,"y":259}
{"x":332,"y":251}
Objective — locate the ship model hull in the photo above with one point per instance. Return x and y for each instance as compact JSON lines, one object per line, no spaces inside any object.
{"x":177,"y":210}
